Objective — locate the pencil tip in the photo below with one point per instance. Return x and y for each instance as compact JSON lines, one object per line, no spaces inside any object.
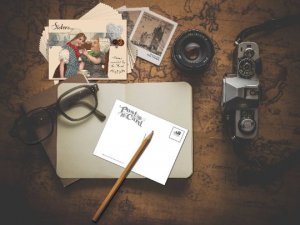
{"x":151,"y":134}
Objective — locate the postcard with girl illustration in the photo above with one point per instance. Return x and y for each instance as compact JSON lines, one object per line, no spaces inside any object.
{"x":96,"y":49}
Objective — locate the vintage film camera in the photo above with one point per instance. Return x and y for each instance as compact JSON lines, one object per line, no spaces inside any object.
{"x":241,"y":93}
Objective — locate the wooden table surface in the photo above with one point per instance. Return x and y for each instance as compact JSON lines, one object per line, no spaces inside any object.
{"x":216,"y":193}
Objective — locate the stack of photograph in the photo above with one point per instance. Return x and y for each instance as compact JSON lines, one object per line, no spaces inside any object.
{"x":104,"y":43}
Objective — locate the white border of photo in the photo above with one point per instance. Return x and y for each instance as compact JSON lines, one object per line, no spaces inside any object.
{"x":143,"y":51}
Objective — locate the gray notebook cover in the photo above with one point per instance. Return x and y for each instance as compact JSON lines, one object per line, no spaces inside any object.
{"x":76,"y":142}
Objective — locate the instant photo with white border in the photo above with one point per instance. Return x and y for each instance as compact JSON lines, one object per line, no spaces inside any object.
{"x":152,"y":35}
{"x":131,"y":15}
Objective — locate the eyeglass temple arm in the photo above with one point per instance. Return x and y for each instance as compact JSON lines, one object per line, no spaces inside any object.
{"x":97,"y":113}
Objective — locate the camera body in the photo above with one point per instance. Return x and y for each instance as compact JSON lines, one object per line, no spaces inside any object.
{"x":241,"y":92}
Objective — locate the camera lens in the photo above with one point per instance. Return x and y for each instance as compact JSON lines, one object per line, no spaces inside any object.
{"x":192,"y":51}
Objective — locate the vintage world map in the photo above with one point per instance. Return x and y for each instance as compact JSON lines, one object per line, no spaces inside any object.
{"x":217,"y":188}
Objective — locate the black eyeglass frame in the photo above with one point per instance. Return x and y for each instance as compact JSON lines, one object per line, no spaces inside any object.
{"x":54,"y":109}
{"x":93,"y":88}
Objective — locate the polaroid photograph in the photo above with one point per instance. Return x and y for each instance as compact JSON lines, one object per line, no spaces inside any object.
{"x":152,"y":34}
{"x":94,"y":48}
{"x":131,"y":15}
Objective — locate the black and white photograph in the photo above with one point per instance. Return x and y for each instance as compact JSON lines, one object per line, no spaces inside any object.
{"x":152,"y":34}
{"x":131,"y":15}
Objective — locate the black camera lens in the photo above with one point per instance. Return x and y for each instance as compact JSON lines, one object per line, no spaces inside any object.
{"x":192,"y":51}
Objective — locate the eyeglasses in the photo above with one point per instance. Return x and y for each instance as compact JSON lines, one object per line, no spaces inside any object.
{"x":76,"y":104}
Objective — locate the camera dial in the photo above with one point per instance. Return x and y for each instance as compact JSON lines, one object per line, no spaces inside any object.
{"x":246,"y":68}
{"x":247,"y":125}
{"x":249,"y":53}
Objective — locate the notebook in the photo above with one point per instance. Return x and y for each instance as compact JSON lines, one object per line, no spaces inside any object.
{"x":76,"y":142}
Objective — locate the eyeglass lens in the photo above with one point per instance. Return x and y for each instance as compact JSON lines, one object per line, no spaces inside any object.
{"x":35,"y":126}
{"x":75,"y":104}
{"x":79,"y":103}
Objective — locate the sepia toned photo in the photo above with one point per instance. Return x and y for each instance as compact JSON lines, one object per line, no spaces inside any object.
{"x":85,"y":53}
{"x":152,"y":35}
{"x":94,"y":49}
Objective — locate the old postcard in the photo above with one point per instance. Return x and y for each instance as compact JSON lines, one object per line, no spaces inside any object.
{"x":101,"y":11}
{"x":123,"y":133}
{"x":152,"y":34}
{"x":94,"y":48}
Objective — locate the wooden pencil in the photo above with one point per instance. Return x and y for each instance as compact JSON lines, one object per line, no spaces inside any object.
{"x":120,"y":180}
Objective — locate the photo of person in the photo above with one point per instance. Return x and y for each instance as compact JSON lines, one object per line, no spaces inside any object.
{"x":93,"y":61}
{"x":85,"y":47}
{"x":69,"y":56}
{"x":82,"y":54}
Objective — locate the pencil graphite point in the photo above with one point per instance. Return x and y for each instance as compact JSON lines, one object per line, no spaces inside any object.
{"x":150,"y":135}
